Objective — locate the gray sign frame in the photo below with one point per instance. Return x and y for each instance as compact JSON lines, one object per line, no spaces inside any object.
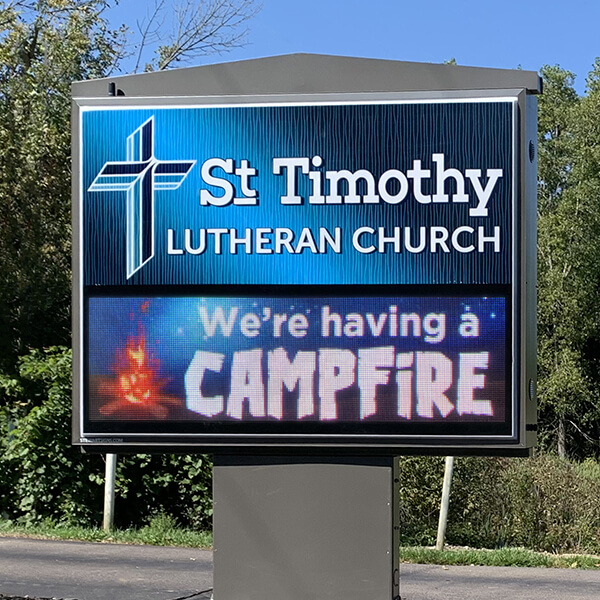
{"x":355,"y":80}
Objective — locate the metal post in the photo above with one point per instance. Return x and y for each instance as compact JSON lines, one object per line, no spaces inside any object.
{"x":441,"y":535}
{"x":109,"y":492}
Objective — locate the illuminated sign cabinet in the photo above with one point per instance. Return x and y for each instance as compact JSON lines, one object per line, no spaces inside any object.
{"x":310,"y":272}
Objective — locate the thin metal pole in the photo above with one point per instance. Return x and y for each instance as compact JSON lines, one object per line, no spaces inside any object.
{"x":441,"y":534}
{"x":109,"y":492}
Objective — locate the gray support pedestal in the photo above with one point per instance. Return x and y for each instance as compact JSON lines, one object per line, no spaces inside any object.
{"x":305,"y":528}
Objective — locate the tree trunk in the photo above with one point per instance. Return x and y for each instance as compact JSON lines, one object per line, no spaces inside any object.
{"x":562,"y":438}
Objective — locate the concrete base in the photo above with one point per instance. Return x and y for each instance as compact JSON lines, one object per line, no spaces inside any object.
{"x":305,"y":529}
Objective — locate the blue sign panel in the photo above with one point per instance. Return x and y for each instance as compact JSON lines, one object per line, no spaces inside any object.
{"x":386,"y":193}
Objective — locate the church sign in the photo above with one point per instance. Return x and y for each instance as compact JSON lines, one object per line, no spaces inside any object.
{"x":329,"y":274}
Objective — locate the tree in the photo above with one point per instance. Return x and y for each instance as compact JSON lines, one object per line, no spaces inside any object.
{"x":191,"y":29}
{"x":45,"y":45}
{"x":568,"y":265}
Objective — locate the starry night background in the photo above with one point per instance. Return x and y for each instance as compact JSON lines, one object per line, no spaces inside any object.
{"x":173,"y":332}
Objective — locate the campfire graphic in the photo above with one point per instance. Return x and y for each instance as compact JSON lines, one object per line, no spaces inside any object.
{"x":136,"y":392}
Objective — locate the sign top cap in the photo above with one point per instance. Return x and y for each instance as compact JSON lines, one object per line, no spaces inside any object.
{"x":309,"y":74}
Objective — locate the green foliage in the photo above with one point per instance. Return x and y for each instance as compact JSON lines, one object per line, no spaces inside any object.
{"x":175,"y":486}
{"x":420,"y":493}
{"x":569,"y":265}
{"x":44,"y":46}
{"x":46,"y":478}
{"x":475,"y":481}
{"x":555,"y":115}
{"x":543,"y":503}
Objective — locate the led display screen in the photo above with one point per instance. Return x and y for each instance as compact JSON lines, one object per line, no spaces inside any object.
{"x":264,"y":274}
{"x":382,"y":364}
{"x":374,"y":193}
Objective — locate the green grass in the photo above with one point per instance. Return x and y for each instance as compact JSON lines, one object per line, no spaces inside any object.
{"x":163,"y":532}
{"x":504,"y":557}
{"x":160,"y":532}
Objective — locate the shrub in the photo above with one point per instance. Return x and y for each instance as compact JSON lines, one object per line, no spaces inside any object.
{"x":420,"y":492}
{"x":542,"y":503}
{"x":45,"y":478}
{"x":170,"y":485}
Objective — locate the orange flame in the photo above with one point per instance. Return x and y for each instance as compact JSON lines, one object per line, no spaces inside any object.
{"x":136,"y":392}
{"x":136,"y":372}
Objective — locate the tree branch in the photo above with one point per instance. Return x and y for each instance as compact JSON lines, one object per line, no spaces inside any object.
{"x":206,"y":27}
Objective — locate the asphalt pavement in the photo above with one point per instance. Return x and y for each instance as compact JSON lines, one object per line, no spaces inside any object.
{"x":434,"y":582}
{"x":83,"y":571}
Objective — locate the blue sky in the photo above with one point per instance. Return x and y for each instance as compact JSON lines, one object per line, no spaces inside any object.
{"x":481,"y":33}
